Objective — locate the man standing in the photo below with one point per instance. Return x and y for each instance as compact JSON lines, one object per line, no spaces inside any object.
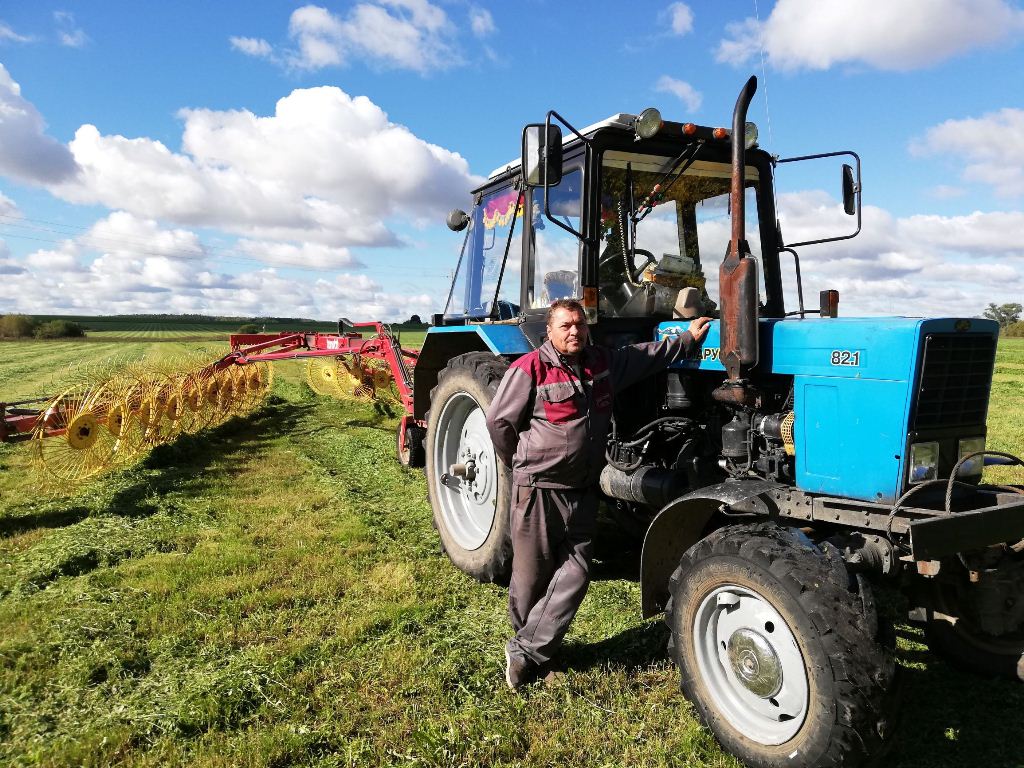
{"x":549,"y":422}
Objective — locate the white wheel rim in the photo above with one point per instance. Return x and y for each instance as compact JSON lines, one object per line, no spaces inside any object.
{"x":467,"y":503}
{"x":751,"y":664}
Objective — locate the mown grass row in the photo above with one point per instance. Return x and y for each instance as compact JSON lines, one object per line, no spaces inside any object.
{"x":272,"y":594}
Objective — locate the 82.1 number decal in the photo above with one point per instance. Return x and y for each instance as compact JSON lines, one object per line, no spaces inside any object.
{"x":845,"y":357}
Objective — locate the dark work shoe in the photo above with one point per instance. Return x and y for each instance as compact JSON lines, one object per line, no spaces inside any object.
{"x":518,"y":670}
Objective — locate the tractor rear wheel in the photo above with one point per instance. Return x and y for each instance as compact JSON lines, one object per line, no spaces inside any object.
{"x":469,"y":488}
{"x":775,"y":654}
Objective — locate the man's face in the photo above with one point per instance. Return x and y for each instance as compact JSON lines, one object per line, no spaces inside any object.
{"x":568,"y":332}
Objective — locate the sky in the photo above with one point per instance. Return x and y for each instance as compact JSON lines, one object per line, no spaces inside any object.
{"x":286,"y":159}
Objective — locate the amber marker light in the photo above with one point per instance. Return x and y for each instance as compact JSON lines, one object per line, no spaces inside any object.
{"x":720,"y":133}
{"x":590,"y":303}
{"x":689,"y":129}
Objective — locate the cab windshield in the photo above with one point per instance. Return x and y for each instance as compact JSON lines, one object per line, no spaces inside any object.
{"x":648,"y":256}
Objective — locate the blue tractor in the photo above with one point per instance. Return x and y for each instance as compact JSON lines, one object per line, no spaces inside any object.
{"x":777,"y":480}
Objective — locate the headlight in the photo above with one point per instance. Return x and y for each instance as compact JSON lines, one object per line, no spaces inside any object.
{"x":924,"y":462}
{"x":649,"y":123}
{"x":750,"y":135}
{"x":972,"y":467}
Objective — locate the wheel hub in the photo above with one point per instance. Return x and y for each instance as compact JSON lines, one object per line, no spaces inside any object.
{"x":467,"y":481}
{"x":115,"y":420}
{"x":755,"y":663}
{"x":83,"y":431}
{"x":751,"y":664}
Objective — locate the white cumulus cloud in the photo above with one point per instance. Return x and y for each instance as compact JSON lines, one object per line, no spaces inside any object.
{"x":325,"y":168}
{"x":398,"y":34}
{"x":481,"y":22}
{"x":252,"y":46}
{"x":680,"y":18}
{"x":885,"y":34}
{"x":69,"y":33}
{"x":685,"y":92}
{"x":7,"y":33}
{"x":311,"y":255}
{"x":917,"y":265}
{"x":992,"y":146}
{"x":26,"y":152}
{"x":123,"y":264}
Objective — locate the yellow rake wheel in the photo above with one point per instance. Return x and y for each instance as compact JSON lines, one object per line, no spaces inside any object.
{"x":324,"y":375}
{"x":71,"y":442}
{"x":356,"y":382}
{"x":242,"y":400}
{"x":148,"y":417}
{"x":166,"y":416}
{"x":192,"y":417}
{"x":225,"y":395}
{"x":212,"y":383}
{"x":259,"y":378}
{"x":385,"y":389}
{"x":111,"y":402}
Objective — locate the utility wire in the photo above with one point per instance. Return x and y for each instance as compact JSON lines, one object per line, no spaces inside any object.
{"x":764,"y":75}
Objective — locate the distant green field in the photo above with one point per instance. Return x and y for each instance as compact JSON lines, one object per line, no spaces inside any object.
{"x":271,"y":594}
{"x":171,"y":327}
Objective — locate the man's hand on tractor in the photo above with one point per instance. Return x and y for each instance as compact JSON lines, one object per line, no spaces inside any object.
{"x":699,"y":328}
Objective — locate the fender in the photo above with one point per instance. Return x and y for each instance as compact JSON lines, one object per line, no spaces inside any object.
{"x":684,"y":522}
{"x":445,"y":342}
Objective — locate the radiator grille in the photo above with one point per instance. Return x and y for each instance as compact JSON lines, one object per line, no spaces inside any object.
{"x":956,"y":376}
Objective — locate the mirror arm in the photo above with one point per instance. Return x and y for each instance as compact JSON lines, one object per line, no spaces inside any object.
{"x":586,"y":142}
{"x":857,"y":192}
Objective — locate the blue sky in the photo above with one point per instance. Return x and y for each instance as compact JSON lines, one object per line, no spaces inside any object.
{"x":286,"y":159}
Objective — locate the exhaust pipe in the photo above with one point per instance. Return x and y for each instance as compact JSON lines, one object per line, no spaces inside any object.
{"x":737,"y":276}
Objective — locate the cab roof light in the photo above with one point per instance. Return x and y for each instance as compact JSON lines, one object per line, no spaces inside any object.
{"x":720,"y":133}
{"x":648,"y":123}
{"x":689,"y":129}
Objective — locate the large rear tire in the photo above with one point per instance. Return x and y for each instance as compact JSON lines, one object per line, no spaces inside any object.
{"x":471,"y":511}
{"x":776,"y":655}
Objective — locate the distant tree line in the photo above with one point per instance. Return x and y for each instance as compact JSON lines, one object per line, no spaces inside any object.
{"x":25,"y":327}
{"x":1008,"y":317}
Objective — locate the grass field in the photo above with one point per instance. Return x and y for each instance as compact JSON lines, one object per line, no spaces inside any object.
{"x":185,"y":328}
{"x":271,"y":594}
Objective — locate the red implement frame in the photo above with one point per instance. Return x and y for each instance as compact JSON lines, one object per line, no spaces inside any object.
{"x":18,"y":423}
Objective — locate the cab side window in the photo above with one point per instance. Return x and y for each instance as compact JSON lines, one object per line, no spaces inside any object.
{"x":556,"y":252}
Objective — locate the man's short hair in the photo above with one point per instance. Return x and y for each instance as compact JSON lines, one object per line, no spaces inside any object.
{"x":570,"y":304}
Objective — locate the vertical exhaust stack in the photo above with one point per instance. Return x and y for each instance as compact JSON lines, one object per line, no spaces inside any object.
{"x":737,"y":276}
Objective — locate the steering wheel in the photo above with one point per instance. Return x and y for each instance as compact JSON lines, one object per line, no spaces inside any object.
{"x":648,"y":260}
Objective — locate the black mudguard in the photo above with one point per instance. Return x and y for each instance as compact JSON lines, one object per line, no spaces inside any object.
{"x":684,"y":522}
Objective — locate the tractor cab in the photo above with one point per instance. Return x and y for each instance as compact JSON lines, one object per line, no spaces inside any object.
{"x":623,"y":215}
{"x":619,"y":216}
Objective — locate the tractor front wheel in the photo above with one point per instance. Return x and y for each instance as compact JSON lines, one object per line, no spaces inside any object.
{"x":469,"y":487}
{"x":775,"y":654}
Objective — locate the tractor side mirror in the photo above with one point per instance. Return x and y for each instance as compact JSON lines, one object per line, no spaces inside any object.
{"x":849,"y":190}
{"x":457,"y":220}
{"x":542,"y":155}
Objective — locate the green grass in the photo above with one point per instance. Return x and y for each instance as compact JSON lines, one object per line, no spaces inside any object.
{"x":196,"y":328}
{"x":271,"y":594}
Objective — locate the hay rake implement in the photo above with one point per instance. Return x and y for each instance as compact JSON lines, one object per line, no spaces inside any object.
{"x":113,"y":416}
